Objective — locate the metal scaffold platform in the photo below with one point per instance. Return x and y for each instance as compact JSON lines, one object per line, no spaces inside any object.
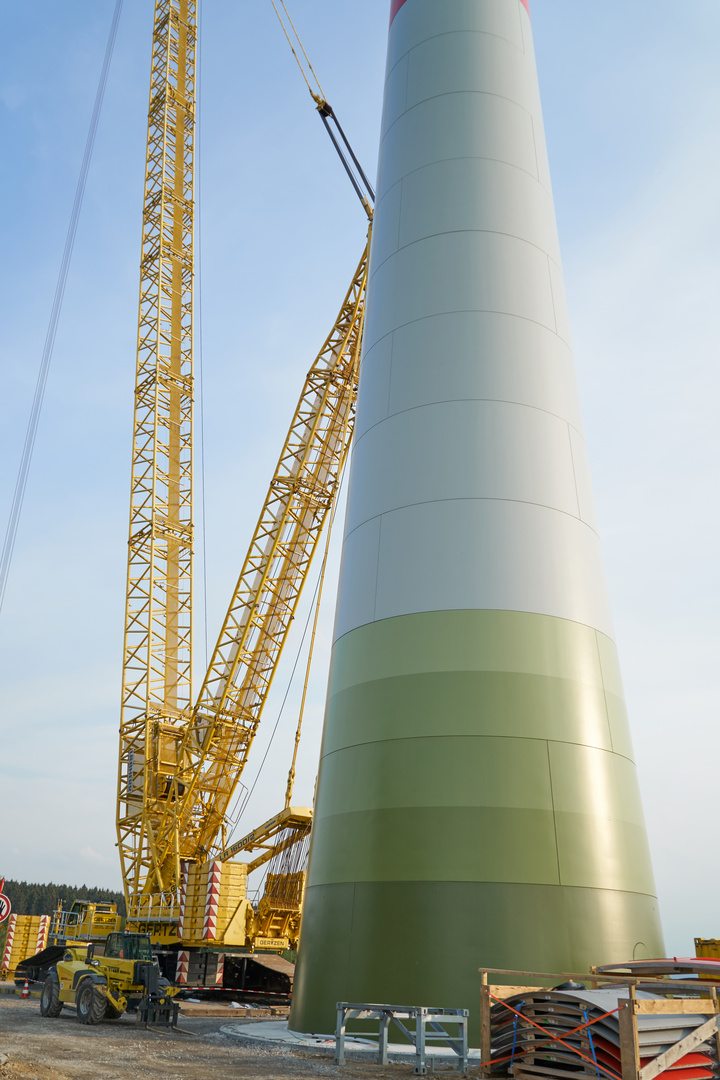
{"x":430,"y":1028}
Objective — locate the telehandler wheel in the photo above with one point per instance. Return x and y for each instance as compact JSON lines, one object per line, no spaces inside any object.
{"x":90,"y":1003}
{"x":111,"y":1013}
{"x":50,"y":1003}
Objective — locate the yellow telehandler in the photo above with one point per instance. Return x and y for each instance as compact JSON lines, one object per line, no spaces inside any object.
{"x":101,"y":981}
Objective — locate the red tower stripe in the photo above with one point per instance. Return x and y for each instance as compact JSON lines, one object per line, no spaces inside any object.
{"x":394,"y":8}
{"x":397,"y":4}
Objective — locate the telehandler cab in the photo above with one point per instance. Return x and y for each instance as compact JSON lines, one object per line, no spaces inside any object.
{"x":101,"y":981}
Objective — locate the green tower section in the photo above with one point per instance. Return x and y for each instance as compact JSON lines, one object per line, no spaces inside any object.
{"x":478,"y":805}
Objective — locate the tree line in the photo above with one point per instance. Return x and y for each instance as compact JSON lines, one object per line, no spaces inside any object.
{"x":28,"y":898}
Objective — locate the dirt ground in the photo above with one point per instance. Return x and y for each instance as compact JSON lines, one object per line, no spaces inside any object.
{"x":62,"y":1049}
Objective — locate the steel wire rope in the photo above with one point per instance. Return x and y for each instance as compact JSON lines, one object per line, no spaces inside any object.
{"x":308,"y":665}
{"x":358,"y":179}
{"x":33,"y":422}
{"x":292,"y":48}
{"x":238,"y":810}
{"x":262,"y":884}
{"x":299,"y":41}
{"x":249,"y":793}
{"x":226,"y":759}
{"x":198,"y":218}
{"x":317,"y":594}
{"x":240,"y":805}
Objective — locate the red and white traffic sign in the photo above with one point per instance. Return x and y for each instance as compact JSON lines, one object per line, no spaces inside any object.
{"x":5,"y":906}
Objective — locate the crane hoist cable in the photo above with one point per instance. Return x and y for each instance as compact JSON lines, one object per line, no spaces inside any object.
{"x":314,"y":607}
{"x":363,"y":188}
{"x":311,"y":69}
{"x":313,"y":610}
{"x":34,"y":420}
{"x":308,"y":665}
{"x":199,"y":321}
{"x":366,"y":194}
{"x":332,"y":125}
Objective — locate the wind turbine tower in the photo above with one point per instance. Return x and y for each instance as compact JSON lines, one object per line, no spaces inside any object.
{"x":477,"y":803}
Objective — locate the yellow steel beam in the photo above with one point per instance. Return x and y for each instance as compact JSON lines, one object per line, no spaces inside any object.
{"x":295,"y":836}
{"x":297,"y":817}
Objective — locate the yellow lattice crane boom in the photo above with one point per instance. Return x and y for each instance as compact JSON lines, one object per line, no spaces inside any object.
{"x":157,"y":668}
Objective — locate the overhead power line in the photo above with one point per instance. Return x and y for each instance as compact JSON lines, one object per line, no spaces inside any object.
{"x":31,"y":433}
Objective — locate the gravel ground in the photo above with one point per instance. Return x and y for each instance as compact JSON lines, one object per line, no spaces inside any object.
{"x":43,"y":1049}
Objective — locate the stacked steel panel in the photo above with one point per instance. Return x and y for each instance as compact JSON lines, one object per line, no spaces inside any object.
{"x":522,"y":1040}
{"x":477,"y":802}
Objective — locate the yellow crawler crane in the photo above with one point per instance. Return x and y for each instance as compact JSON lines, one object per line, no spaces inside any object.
{"x":179,"y":764}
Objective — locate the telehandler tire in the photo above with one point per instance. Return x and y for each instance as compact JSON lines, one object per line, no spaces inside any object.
{"x":50,"y":1003}
{"x":111,"y":1013}
{"x":90,"y":1003}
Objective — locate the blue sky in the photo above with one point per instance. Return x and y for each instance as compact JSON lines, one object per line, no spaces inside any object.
{"x":630,"y":94}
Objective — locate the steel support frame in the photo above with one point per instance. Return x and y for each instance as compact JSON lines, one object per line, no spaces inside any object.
{"x":429,"y":1027}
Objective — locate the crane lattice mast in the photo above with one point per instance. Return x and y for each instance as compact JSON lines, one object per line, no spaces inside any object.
{"x":157,"y":669}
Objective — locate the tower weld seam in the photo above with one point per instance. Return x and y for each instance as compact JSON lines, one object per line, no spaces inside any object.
{"x":572,"y":462}
{"x":552,"y":800}
{"x":604,"y":689}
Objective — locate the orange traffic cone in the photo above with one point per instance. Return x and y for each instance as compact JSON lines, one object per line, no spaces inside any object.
{"x":26,"y":990}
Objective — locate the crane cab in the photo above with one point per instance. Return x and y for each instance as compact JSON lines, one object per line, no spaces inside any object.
{"x":84,"y":922}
